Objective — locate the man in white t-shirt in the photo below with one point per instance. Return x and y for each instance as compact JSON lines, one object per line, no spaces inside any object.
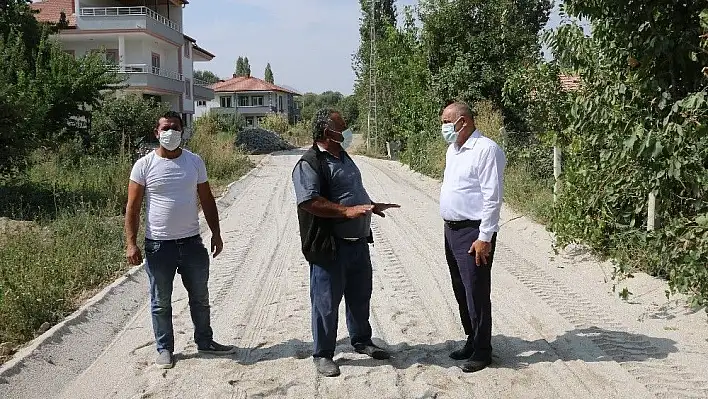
{"x":172,"y":179}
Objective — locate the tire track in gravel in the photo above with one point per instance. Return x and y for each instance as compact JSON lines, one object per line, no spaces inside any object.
{"x":632,"y":352}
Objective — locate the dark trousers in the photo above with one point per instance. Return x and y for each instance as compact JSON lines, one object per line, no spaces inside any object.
{"x":349,"y":276}
{"x":190,"y":259}
{"x":472,"y":286}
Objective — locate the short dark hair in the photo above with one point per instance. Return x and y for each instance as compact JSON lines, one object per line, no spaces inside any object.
{"x":170,"y":115}
{"x":463,"y":109}
{"x":320,"y":121}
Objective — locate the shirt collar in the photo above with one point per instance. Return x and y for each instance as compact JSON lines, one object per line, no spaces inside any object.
{"x":472,"y":139}
{"x":326,"y":152}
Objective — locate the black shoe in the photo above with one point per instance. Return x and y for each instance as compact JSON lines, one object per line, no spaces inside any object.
{"x":326,"y":366}
{"x":465,"y":352}
{"x":372,"y":350}
{"x":472,"y":365}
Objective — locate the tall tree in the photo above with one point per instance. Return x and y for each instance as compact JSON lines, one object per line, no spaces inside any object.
{"x":42,"y":89}
{"x":239,"y":67}
{"x":470,"y":54}
{"x":384,"y":17}
{"x":246,"y":67}
{"x":269,"y":74}
{"x":206,"y":76}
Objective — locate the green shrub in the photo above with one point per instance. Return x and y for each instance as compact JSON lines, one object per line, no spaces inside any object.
{"x":224,"y":163}
{"x":120,"y":121}
{"x":215,"y":122}
{"x":276,"y":122}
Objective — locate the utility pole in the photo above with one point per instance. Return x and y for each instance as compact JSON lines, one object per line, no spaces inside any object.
{"x":372,"y":131}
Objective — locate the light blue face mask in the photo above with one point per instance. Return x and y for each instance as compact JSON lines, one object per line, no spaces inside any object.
{"x":348,"y":138}
{"x":449,"y":133}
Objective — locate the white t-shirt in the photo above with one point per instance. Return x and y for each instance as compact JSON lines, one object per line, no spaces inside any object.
{"x":170,"y":194}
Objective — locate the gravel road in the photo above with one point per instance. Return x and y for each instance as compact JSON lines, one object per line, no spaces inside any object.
{"x":559,"y":330}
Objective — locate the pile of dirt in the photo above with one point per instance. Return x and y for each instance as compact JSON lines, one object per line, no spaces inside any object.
{"x":260,"y":141}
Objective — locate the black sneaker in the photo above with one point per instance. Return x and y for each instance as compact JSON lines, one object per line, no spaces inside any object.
{"x":473,"y":366}
{"x":215,"y":348}
{"x":372,"y":351}
{"x":165,"y":360}
{"x":326,"y":366}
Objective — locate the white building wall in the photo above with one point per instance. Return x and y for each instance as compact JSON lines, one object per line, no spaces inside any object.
{"x":188,"y":73}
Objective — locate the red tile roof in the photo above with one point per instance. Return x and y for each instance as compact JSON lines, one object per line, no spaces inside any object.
{"x":570,"y":83}
{"x":50,"y":11}
{"x":243,"y":83}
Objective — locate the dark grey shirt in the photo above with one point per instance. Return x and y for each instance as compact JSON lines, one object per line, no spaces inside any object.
{"x":346,"y":188}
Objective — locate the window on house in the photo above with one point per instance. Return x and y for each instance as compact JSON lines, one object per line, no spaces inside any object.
{"x":201,"y":103}
{"x":188,"y":87}
{"x":187,"y":50}
{"x":225,"y":102}
{"x":112,"y":57}
{"x":243,"y":101}
{"x":155,"y":63}
{"x":257,"y":101}
{"x":249,"y":120}
{"x":280,"y":103}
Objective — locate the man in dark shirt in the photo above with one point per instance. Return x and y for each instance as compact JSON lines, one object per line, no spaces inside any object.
{"x":336,"y":194}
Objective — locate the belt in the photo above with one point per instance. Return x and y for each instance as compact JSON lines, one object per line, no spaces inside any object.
{"x":179,"y":240}
{"x":462,"y":224}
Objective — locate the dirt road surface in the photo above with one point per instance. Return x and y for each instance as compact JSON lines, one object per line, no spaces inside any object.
{"x":559,"y":330}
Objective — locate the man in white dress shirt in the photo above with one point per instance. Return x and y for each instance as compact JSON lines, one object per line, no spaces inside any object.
{"x":470,"y":203}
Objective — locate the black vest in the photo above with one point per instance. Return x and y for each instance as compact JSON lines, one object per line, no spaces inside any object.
{"x":316,"y":233}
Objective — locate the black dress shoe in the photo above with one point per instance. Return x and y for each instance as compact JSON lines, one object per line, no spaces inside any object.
{"x":326,"y":366}
{"x":472,"y":365}
{"x":465,"y":352}
{"x":372,"y":350}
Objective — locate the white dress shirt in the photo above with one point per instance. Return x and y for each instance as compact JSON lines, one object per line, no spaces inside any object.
{"x":473,"y":184}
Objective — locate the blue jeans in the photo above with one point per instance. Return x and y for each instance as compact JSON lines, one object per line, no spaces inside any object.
{"x":190,"y":259}
{"x":349,"y":276}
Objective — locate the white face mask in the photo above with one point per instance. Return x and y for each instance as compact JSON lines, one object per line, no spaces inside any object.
{"x":170,"y":139}
{"x":449,"y":133}
{"x":348,"y":138}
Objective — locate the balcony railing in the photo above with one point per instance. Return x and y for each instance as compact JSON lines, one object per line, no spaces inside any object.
{"x":128,"y":11}
{"x":199,"y":82}
{"x":143,"y":68}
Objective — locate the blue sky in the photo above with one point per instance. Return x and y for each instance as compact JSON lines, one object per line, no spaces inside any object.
{"x":309,"y":43}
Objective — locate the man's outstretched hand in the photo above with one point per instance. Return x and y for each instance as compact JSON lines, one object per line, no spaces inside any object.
{"x":379,"y":208}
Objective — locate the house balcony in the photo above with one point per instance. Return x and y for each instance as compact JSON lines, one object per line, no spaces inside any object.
{"x":129,"y":18}
{"x":202,"y":91}
{"x":151,"y":78}
{"x":247,"y":111}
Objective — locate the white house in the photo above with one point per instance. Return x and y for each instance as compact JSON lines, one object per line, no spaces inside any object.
{"x":251,"y":97}
{"x":143,"y":39}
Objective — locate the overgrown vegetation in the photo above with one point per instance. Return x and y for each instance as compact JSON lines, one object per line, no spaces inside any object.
{"x":224,"y":163}
{"x":122,"y":121}
{"x":637,"y":124}
{"x":44,"y":92}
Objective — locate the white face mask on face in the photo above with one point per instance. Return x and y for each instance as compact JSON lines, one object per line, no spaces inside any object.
{"x":348,"y":138}
{"x":170,"y":139}
{"x":449,"y":133}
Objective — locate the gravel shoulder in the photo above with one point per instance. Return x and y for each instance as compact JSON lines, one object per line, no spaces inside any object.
{"x":559,"y":330}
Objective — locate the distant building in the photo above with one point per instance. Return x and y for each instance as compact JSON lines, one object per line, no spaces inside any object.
{"x":144,"y":43}
{"x":251,"y":97}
